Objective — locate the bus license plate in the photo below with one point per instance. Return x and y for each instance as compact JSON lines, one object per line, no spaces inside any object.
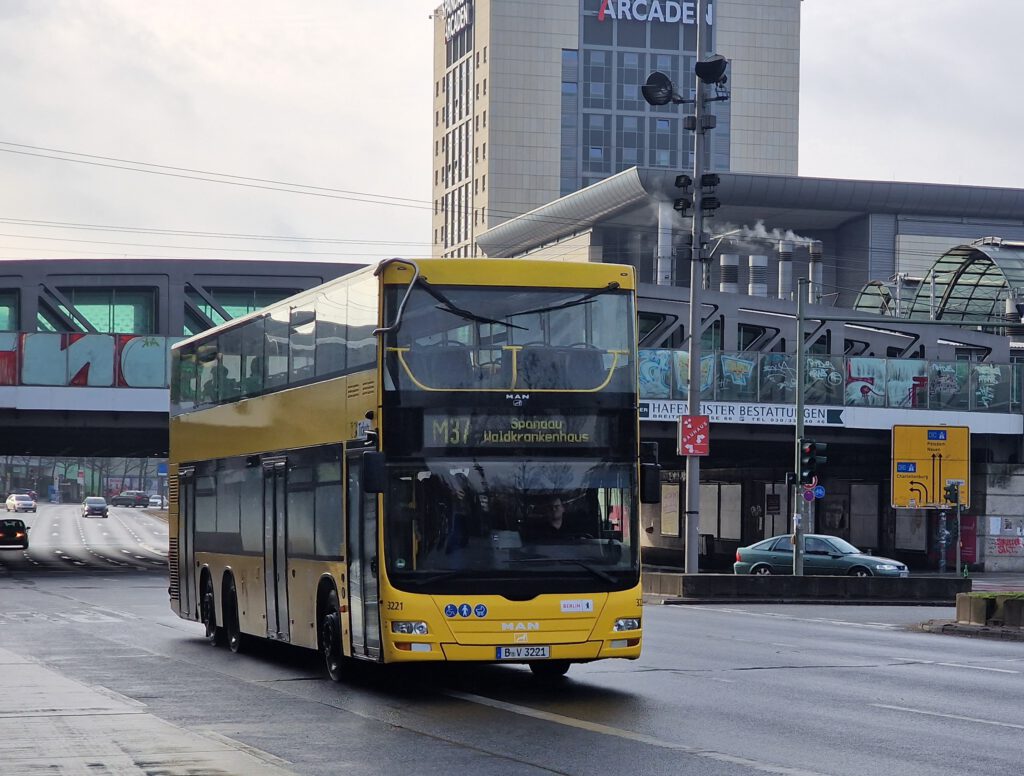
{"x":523,"y":653}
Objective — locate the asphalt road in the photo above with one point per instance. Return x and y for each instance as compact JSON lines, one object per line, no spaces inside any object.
{"x":60,"y":539}
{"x":98,"y":676}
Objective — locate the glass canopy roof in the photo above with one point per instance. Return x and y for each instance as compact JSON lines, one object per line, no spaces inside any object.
{"x":968,"y":283}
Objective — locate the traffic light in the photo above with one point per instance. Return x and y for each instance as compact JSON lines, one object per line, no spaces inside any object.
{"x":953,"y":493}
{"x":807,"y":461}
{"x":683,"y":202}
{"x":810,"y":459}
{"x":709,"y":203}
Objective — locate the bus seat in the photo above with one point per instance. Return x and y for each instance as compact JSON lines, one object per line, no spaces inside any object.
{"x":585,"y":367}
{"x":579,"y":368}
{"x":442,"y":366}
{"x":541,"y":366}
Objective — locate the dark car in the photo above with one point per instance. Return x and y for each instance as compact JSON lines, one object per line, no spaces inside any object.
{"x":13,"y":533}
{"x":27,"y":492}
{"x":131,"y":498}
{"x":95,"y":506}
{"x":823,"y":555}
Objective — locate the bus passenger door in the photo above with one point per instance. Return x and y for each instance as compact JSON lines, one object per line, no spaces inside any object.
{"x":188,"y":600}
{"x":275,"y":556}
{"x":361,"y":551}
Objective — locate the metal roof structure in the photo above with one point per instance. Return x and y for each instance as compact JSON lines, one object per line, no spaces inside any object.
{"x":971,"y":282}
{"x":799,"y":202}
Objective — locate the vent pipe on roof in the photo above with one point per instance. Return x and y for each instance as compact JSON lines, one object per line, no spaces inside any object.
{"x":1014,"y":313}
{"x":663,"y":274}
{"x":758,"y":281}
{"x":785,"y":269}
{"x":814,"y":271}
{"x":729,"y":280}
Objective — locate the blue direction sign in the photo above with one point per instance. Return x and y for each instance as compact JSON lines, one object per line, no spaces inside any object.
{"x":819,"y":491}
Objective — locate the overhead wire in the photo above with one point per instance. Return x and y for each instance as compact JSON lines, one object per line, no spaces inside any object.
{"x":296,"y":188}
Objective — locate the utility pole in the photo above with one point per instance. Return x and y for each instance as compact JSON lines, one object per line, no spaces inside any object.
{"x":693,"y":328}
{"x":659,"y":90}
{"x":798,"y":499}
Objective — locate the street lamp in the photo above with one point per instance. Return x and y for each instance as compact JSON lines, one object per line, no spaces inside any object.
{"x":659,"y":90}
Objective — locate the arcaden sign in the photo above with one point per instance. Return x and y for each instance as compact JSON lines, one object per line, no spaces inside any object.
{"x":671,"y":11}
{"x":458,"y":14}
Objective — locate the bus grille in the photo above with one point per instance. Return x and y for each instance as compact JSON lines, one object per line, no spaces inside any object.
{"x":174,"y":581}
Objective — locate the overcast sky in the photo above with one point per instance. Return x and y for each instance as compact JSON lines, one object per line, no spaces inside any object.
{"x":335,"y":94}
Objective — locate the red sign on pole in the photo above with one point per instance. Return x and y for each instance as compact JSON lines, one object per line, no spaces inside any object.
{"x":694,"y":435}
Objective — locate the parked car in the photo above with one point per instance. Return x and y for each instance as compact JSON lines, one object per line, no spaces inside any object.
{"x":26,"y":491}
{"x":95,"y":505}
{"x":21,"y":502}
{"x":823,"y":555}
{"x":14,"y":533}
{"x":158,"y":501}
{"x":130,"y":498}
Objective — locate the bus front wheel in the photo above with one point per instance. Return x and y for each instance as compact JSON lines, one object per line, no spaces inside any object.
{"x":330,"y":638}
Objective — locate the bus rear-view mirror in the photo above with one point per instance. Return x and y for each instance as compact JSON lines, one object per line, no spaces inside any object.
{"x":650,"y":483}
{"x":373,"y":472}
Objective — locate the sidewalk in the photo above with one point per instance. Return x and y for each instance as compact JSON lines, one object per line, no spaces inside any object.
{"x":57,"y":725}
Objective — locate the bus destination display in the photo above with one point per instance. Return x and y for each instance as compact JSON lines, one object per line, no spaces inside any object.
{"x":503,"y":430}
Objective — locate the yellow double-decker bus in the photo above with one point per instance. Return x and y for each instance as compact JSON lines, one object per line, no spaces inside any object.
{"x":422,"y":461}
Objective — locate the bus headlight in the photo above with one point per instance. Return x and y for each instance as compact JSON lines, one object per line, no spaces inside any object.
{"x":410,"y":627}
{"x":627,"y":624}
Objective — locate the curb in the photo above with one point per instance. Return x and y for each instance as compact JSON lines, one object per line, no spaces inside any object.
{"x":953,"y":628}
{"x":670,"y":601}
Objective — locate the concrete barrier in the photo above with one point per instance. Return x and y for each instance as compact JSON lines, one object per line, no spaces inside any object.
{"x":742,"y":587}
{"x":990,"y":609}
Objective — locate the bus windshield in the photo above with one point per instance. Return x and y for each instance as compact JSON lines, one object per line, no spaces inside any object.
{"x":500,"y":338}
{"x":502,"y":518}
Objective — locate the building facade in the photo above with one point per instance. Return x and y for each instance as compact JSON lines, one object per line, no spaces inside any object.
{"x":536,"y":99}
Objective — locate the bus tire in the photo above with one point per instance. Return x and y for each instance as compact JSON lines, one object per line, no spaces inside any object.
{"x":330,"y":639}
{"x":208,"y":614}
{"x":232,"y":628}
{"x":549,"y":669}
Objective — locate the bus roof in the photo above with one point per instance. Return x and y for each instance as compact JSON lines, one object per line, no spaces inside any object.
{"x":469,"y":271}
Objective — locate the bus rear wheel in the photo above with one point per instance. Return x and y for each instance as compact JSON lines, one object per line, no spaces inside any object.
{"x":330,"y":638}
{"x":549,"y":669}
{"x":208,"y":615}
{"x":231,"y":627}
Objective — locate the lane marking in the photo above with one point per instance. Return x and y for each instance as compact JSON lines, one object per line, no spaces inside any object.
{"x":948,"y":716}
{"x":629,"y":735}
{"x":917,"y":661}
{"x":794,"y":618}
{"x":979,"y":668}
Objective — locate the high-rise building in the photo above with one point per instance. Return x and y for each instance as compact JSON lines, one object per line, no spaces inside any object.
{"x":535,"y":99}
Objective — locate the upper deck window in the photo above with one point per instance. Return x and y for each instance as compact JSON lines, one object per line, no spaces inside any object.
{"x":287,"y":346}
{"x":510,"y":338}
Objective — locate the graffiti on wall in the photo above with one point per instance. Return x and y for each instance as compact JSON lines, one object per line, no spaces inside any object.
{"x":92,"y":360}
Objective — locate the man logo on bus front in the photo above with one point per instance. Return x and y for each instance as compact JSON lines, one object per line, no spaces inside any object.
{"x":517,"y":399}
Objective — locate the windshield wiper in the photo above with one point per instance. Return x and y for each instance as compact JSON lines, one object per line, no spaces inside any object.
{"x":448,"y":305}
{"x":441,"y":574}
{"x":582,"y":564}
{"x":613,"y":286}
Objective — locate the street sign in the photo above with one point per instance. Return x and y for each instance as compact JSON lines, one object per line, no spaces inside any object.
{"x":925,"y":459}
{"x":819,"y":491}
{"x":808,"y":495}
{"x":694,"y":435}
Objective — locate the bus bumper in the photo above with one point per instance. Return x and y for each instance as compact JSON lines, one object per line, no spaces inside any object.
{"x":405,"y":652}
